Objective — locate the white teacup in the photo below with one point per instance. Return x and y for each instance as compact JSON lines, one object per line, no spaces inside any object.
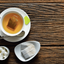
{"x":5,"y":12}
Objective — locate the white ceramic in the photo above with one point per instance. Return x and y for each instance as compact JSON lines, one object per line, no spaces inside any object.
{"x":7,"y":11}
{"x":26,"y":28}
{"x":17,"y":50}
{"x":7,"y":50}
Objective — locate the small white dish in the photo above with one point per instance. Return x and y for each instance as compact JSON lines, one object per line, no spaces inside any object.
{"x":17,"y":50}
{"x":26,"y":28}
{"x":8,"y":52}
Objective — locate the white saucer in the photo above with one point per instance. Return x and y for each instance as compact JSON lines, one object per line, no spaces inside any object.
{"x":26,"y":28}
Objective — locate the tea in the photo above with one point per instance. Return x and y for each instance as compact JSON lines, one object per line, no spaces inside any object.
{"x":12,"y":23}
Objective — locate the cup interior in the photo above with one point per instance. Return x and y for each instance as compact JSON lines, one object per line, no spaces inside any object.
{"x":3,"y":30}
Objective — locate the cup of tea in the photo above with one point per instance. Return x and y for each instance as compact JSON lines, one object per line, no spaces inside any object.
{"x":12,"y":22}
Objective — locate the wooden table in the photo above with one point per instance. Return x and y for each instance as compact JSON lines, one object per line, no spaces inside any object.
{"x":47,"y":27}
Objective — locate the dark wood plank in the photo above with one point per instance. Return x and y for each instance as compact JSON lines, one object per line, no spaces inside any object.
{"x":47,"y":22}
{"x":47,"y":27}
{"x":39,"y":11}
{"x":30,"y":1}
{"x":47,"y":33}
{"x":47,"y":55}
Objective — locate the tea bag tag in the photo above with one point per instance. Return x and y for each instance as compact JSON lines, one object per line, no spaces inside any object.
{"x":27,"y":20}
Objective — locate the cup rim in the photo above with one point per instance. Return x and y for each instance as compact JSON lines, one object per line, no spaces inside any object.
{"x":5,"y":32}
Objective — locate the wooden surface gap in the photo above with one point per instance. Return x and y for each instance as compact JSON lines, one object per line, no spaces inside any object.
{"x":31,"y":1}
{"x":52,"y":45}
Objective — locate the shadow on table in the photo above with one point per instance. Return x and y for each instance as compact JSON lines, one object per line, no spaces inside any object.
{"x":4,"y":61}
{"x":29,"y":62}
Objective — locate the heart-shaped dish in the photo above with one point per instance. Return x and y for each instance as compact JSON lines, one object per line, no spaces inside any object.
{"x":17,"y":50}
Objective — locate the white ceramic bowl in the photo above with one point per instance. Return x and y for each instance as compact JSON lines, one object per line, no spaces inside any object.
{"x":7,"y":51}
{"x":17,"y":50}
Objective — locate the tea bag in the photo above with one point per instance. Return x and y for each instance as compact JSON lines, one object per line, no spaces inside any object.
{"x":28,"y":51}
{"x":24,"y":45}
{"x":12,"y":23}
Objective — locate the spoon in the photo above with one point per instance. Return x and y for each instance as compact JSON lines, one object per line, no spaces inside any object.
{"x":20,"y":35}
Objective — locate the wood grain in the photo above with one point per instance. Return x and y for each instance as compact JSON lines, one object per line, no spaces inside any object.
{"x":47,"y":21}
{"x":30,"y":1}
{"x":47,"y":55}
{"x":47,"y":27}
